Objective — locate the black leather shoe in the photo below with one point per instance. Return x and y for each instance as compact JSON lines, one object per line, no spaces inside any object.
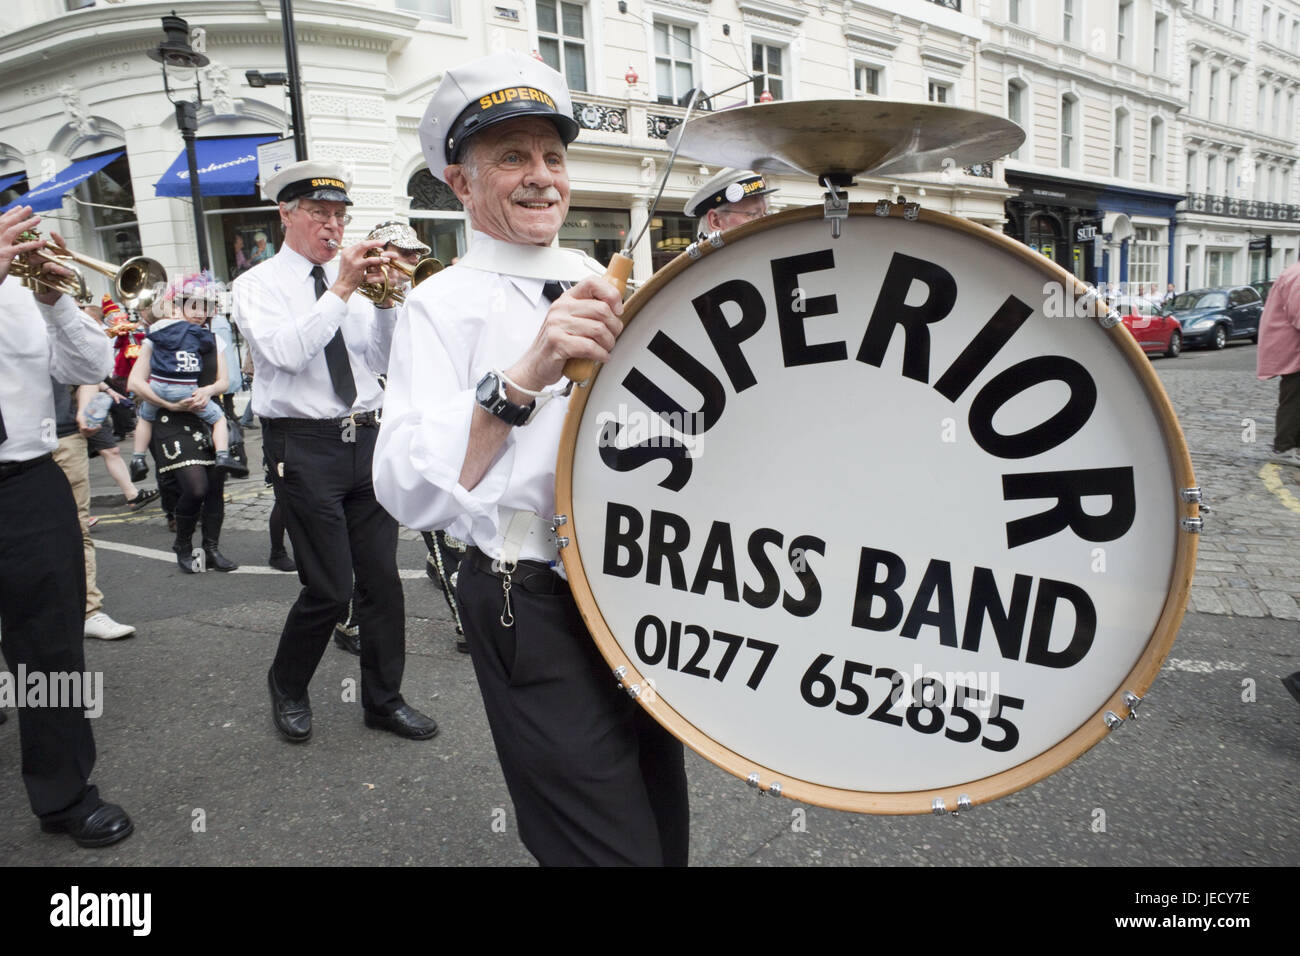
{"x":1292,"y":683}
{"x":405,"y":721}
{"x":281,"y":561}
{"x":348,"y":638}
{"x":105,"y":824}
{"x":218,"y":561}
{"x":291,"y":717}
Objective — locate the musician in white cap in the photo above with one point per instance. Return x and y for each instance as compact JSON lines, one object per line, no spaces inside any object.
{"x":315,"y":342}
{"x":731,"y":198}
{"x":475,"y":407}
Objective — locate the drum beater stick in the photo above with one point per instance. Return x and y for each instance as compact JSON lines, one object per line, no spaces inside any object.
{"x":580,"y":371}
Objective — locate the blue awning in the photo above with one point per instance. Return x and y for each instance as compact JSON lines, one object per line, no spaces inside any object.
{"x":227,"y":167}
{"x":49,"y":194}
{"x":7,"y":181}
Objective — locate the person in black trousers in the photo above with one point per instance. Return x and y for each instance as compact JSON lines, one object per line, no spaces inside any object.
{"x":314,"y":340}
{"x":42,"y":563}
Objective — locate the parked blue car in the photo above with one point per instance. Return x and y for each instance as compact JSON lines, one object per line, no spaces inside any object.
{"x":1212,"y":317}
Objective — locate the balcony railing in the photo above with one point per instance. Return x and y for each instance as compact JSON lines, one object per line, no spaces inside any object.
{"x":950,"y":4}
{"x":1241,"y":208}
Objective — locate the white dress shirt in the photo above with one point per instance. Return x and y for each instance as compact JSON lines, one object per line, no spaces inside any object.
{"x":457,"y":325}
{"x":287,"y":328}
{"x":38,"y":342}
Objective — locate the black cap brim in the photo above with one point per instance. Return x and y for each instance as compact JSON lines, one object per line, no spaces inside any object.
{"x":474,"y":120}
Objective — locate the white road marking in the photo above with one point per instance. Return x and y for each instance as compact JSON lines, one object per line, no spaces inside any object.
{"x":1201,"y":667}
{"x":170,"y":558}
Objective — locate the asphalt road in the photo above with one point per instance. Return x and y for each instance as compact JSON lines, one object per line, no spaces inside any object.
{"x":1206,"y":775}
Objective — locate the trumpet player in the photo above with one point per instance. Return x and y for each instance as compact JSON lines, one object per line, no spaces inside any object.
{"x":42,"y":565}
{"x":314,"y":342}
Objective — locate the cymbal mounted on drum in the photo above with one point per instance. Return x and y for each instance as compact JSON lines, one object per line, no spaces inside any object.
{"x":835,"y":140}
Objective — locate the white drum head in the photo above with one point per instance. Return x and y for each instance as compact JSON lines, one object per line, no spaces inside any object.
{"x":918,"y":530}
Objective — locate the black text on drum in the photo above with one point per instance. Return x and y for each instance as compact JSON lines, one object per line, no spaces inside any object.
{"x":891,"y":312}
{"x":667,"y":535}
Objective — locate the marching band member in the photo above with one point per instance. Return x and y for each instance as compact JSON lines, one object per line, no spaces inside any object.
{"x":42,"y":566}
{"x":469,"y":444}
{"x":731,"y":198}
{"x":314,"y":342}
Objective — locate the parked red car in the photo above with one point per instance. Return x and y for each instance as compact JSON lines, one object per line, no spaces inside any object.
{"x":1156,"y":333}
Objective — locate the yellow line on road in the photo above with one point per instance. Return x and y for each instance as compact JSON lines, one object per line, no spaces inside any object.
{"x":136,"y":517}
{"x":1271,"y":475}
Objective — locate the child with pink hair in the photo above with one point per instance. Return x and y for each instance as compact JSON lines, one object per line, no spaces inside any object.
{"x":174,"y":351}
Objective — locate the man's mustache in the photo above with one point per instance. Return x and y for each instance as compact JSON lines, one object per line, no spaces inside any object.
{"x":535,"y":195}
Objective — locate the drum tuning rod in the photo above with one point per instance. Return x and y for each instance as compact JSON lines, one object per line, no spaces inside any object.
{"x":580,"y":371}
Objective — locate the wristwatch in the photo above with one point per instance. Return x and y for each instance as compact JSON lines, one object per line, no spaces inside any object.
{"x":491,"y":394}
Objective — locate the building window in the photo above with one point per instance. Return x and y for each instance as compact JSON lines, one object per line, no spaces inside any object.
{"x":866,"y":80}
{"x":1218,"y":268}
{"x":670,"y":233}
{"x":1016,"y":107}
{"x":1230,"y":176}
{"x":600,"y":233}
{"x":1193,"y":82}
{"x":674,"y":68}
{"x":1120,"y":166}
{"x":1216,"y":10}
{"x":1236,"y":14}
{"x":1123,"y":24}
{"x":1156,"y":152}
{"x":439,"y":10}
{"x":1067,"y":20}
{"x":1159,"y":40}
{"x":1277,"y":111}
{"x":1212,"y":175}
{"x":1290,"y":115}
{"x":1191,"y":172}
{"x":1013,"y":11}
{"x":562,"y":40}
{"x":1265,"y":21}
{"x":1067,"y":132}
{"x":940,"y":92}
{"x":1257,"y":183}
{"x":1232,"y":97}
{"x":770,"y":61}
{"x":1259,"y":106}
{"x":437,"y":216}
{"x":1144,"y":257}
{"x":1213,"y":109}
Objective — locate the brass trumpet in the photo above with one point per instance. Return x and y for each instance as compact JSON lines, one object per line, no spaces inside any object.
{"x":387,"y":288}
{"x":135,"y":281}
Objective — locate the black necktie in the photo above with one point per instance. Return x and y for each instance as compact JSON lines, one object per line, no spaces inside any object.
{"x":553,"y":290}
{"x":336,"y":352}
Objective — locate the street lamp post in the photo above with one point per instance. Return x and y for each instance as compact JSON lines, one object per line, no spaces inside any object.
{"x":175,"y":51}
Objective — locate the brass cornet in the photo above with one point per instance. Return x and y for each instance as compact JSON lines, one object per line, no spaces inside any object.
{"x":388,"y":288}
{"x":135,"y":281}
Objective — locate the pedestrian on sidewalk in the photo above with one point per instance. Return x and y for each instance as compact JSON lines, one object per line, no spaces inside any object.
{"x":1279,"y":355}
{"x":70,"y":456}
{"x":101,"y":442}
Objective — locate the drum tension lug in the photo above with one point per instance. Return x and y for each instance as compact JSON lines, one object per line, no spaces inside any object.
{"x":619,"y":673}
{"x":752,"y":779}
{"x":1112,"y":719}
{"x":1131,"y":701}
{"x":939,"y":808}
{"x":1192,"y":525}
{"x":1195,"y":496}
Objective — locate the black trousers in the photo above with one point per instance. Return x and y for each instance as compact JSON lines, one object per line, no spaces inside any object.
{"x":339,"y":532}
{"x":594,"y":779}
{"x":1286,"y":431}
{"x":42,"y":616}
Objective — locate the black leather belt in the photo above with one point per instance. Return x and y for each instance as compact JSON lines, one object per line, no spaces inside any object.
{"x":357,"y":419}
{"x":10,"y":468}
{"x":537,"y":577}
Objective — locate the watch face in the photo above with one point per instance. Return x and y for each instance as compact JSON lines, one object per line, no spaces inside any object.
{"x":487,"y":389}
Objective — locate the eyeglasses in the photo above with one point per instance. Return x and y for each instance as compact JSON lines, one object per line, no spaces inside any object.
{"x":323,"y":216}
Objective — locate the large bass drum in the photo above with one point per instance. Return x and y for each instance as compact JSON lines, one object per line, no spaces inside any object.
{"x":895,"y":522}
